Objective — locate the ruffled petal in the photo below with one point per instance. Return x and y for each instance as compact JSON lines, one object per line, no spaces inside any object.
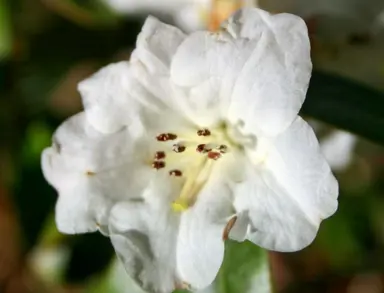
{"x":290,"y":192}
{"x":258,"y":66}
{"x":200,"y":248}
{"x":156,"y":45}
{"x":113,"y":98}
{"x":144,"y":236}
{"x":91,"y":171}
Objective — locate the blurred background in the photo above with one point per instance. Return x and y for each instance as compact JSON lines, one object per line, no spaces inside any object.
{"x":48,"y":46}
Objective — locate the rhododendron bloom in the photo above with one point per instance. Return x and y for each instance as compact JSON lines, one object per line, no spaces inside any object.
{"x":195,"y":140}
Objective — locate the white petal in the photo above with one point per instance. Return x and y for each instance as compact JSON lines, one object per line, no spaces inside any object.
{"x":113,"y":98}
{"x":207,"y":64}
{"x":272,"y":85}
{"x":259,"y":67}
{"x":200,"y":248}
{"x":90,"y":171}
{"x":144,"y":236}
{"x":338,"y":149}
{"x":81,"y":209}
{"x":150,"y":62}
{"x":156,"y":45}
{"x":290,"y":193}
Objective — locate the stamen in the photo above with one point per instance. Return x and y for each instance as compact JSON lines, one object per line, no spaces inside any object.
{"x":203,"y":132}
{"x":223,"y":149}
{"x":166,"y":137}
{"x":176,"y":173}
{"x":159,"y":155}
{"x":214,"y":155}
{"x":202,"y":148}
{"x":177,"y":148}
{"x":229,"y":227}
{"x":158,"y":165}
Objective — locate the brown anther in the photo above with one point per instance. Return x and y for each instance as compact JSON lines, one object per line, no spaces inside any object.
{"x":223,"y":148}
{"x":176,"y":173}
{"x":203,"y":132}
{"x":166,"y":137}
{"x":177,"y":148}
{"x":90,"y":173}
{"x":159,"y":155}
{"x":202,"y":148}
{"x":158,"y":164}
{"x":214,"y":155}
{"x":229,"y":227}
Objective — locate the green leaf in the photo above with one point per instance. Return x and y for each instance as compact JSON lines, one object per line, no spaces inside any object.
{"x":5,"y":29}
{"x":347,"y":105}
{"x":245,"y":269}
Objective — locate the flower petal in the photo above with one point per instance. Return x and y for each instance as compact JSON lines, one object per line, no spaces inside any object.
{"x":113,"y":98}
{"x":144,"y":236}
{"x":259,"y":67}
{"x":156,"y":45}
{"x":272,"y":85}
{"x":200,"y":248}
{"x":290,"y":193}
{"x":90,"y":171}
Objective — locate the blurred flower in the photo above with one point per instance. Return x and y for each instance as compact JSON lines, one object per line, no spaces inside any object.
{"x":193,"y":141}
{"x":189,"y":15}
{"x":338,"y":148}
{"x":339,"y":19}
{"x":337,"y":145}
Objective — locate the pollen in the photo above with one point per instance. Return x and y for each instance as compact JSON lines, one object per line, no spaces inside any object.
{"x":177,"y":148}
{"x":159,"y":155}
{"x":166,"y":137}
{"x":214,"y":155}
{"x":203,"y":148}
{"x":203,"y":132}
{"x":176,"y":173}
{"x":223,"y":149}
{"x":158,"y":165}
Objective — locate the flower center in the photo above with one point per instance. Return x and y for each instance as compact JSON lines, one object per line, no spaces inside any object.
{"x":190,"y":158}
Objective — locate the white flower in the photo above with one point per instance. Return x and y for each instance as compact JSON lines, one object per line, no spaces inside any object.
{"x":189,"y":15}
{"x":194,"y":140}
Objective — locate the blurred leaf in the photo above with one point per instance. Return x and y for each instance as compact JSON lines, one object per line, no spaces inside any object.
{"x":38,"y":137}
{"x":245,"y":269}
{"x":347,"y":105}
{"x":92,"y":14}
{"x":5,"y":29}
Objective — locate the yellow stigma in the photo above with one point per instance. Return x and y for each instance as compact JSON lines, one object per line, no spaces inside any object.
{"x":179,"y":206}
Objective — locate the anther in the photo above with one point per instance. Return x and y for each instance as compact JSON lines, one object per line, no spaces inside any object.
{"x":90,"y":173}
{"x":176,"y":173}
{"x":158,"y":164}
{"x":166,"y":136}
{"x":177,"y":148}
{"x":223,"y":148}
{"x":159,"y":155}
{"x":214,"y":155}
{"x":202,"y":148}
{"x":203,"y":132}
